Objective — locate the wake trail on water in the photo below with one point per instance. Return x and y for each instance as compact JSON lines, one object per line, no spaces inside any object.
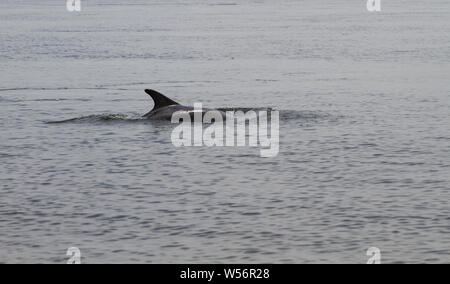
{"x":285,"y":115}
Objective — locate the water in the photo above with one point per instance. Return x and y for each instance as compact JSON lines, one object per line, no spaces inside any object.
{"x":364,"y":140}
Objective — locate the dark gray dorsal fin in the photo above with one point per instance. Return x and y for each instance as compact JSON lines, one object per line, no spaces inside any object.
{"x":159,"y":99}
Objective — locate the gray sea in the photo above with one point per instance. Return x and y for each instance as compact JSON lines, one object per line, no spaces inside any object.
{"x":364,"y":155}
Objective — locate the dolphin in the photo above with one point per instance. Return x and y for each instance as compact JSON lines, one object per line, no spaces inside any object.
{"x":165,"y":107}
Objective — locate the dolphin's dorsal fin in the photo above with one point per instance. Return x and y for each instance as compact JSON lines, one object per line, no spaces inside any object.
{"x":159,"y":99}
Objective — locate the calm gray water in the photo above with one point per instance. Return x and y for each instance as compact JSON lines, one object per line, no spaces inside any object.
{"x":364,"y":131}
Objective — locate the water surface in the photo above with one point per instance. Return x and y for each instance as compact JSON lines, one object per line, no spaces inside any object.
{"x":364,"y":140}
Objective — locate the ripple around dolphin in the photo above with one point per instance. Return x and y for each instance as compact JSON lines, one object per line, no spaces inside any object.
{"x":285,"y":115}
{"x":95,"y":118}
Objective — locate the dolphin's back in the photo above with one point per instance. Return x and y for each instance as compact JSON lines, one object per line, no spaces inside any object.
{"x":165,"y":107}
